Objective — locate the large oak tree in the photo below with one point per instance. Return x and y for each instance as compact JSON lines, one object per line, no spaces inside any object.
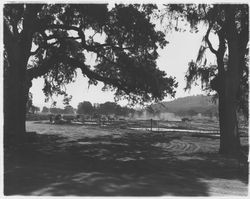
{"x":52,"y":41}
{"x":229,"y":78}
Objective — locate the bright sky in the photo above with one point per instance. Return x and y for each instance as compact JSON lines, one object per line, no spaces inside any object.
{"x":174,"y":58}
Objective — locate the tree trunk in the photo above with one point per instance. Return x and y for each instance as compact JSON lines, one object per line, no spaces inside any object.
{"x":229,"y":138}
{"x":16,"y":82}
{"x":229,"y":85}
{"x":16,"y":89}
{"x":228,"y":98}
{"x":15,"y":98}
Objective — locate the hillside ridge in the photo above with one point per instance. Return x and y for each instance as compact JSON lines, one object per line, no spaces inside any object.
{"x":187,"y":105}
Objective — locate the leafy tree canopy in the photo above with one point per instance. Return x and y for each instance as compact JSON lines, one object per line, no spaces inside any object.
{"x":85,"y":108}
{"x":45,"y":109}
{"x":69,"y":110}
{"x":123,"y":39}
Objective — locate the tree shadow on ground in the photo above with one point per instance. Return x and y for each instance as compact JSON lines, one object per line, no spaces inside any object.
{"x":124,"y":165}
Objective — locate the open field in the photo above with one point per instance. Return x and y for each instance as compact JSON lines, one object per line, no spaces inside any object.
{"x":115,"y":160}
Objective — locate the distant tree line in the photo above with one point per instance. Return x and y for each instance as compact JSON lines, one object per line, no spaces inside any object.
{"x":87,"y":108}
{"x":54,"y":110}
{"x":112,"y":108}
{"x":107,"y":108}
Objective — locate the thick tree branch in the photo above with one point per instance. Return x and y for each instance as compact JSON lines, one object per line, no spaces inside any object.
{"x":46,"y":45}
{"x":64,"y":27}
{"x":41,"y":70}
{"x":221,"y":51}
{"x":57,"y":37}
{"x":208,"y":41}
{"x":93,"y":75}
{"x":59,"y":26}
{"x":47,"y":65}
{"x":29,"y":23}
{"x":81,"y":36}
{"x":111,"y":46}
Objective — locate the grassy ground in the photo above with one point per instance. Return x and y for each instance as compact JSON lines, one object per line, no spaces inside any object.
{"x":85,"y":160}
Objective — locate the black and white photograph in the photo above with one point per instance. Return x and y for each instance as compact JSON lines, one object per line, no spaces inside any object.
{"x":125,"y":99}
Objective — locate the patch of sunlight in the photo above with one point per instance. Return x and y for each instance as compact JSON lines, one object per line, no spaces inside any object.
{"x":126,"y":159}
{"x":174,"y":130}
{"x":47,"y":191}
{"x":189,"y":158}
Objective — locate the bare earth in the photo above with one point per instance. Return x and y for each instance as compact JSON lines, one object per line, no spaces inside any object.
{"x":92,"y":161}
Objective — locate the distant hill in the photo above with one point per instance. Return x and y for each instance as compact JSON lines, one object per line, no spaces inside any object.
{"x":191,"y":105}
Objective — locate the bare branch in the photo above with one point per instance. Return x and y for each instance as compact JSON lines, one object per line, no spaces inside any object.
{"x":208,"y":41}
{"x":94,"y":34}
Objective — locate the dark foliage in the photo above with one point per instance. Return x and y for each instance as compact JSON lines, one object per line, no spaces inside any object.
{"x":63,"y":33}
{"x":85,"y":108}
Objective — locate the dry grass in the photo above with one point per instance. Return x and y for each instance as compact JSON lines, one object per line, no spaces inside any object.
{"x":93,"y":161}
